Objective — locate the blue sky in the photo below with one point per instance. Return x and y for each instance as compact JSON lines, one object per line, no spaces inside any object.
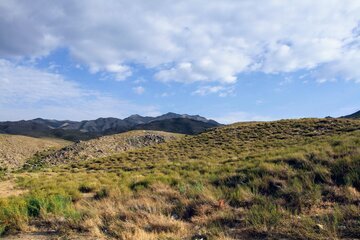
{"x":226,"y":60}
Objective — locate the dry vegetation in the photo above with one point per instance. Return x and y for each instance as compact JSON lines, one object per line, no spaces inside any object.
{"x":291,"y":179}
{"x":15,"y":149}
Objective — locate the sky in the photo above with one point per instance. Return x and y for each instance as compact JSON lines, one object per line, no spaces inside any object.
{"x":229,"y":60}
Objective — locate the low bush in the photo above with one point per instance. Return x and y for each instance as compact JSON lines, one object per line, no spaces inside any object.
{"x":86,"y":188}
{"x":102,"y":193}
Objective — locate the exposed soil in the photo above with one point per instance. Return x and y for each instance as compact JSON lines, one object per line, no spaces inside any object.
{"x":8,"y":189}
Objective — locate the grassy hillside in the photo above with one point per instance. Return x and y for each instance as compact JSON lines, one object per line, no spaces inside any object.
{"x":15,"y":149}
{"x":291,"y":179}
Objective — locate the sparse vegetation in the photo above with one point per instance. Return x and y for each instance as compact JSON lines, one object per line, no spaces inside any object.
{"x":15,"y":150}
{"x":290,"y":179}
{"x":100,"y":147}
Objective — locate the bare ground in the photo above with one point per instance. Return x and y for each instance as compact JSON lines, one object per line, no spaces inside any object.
{"x":8,"y":189}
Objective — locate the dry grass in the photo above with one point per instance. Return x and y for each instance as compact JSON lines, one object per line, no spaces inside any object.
{"x":9,"y":189}
{"x":15,"y":149}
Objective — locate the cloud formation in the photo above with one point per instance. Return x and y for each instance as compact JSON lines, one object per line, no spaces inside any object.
{"x":189,"y":41}
{"x":139,"y":90}
{"x":26,"y":92}
{"x":222,"y":91}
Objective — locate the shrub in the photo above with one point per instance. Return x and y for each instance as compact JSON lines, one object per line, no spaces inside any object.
{"x":137,"y":186}
{"x":33,"y":207}
{"x":347,"y":172}
{"x":102,"y":193}
{"x":84,"y":188}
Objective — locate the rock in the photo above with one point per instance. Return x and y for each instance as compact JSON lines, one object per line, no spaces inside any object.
{"x":319,"y":227}
{"x":199,"y":237}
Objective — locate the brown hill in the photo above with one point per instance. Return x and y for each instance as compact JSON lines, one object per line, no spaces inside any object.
{"x":14,"y":150}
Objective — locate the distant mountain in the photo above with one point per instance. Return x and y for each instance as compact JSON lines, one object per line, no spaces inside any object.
{"x":88,"y":129}
{"x":178,"y":125}
{"x":354,"y":115}
{"x":171,"y":115}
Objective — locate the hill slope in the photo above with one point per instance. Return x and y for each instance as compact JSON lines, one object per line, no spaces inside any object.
{"x":14,"y":150}
{"x":354,"y":115}
{"x":103,"y":146}
{"x":290,"y":179}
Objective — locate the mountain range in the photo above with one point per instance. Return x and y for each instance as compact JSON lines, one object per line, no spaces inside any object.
{"x":88,"y":129}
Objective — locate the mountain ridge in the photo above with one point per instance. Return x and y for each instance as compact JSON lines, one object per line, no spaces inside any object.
{"x":353,"y":115}
{"x":88,"y":129}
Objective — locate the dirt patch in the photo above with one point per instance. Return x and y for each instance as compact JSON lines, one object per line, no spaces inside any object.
{"x":8,"y":189}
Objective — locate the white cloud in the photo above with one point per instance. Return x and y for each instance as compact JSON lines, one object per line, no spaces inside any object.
{"x":121,"y":72}
{"x":166,"y":94}
{"x":27,"y":84}
{"x":139,"y":90}
{"x":346,"y":68}
{"x":187,"y":41}
{"x":26,"y":92}
{"x":222,"y":91}
{"x":234,"y":117}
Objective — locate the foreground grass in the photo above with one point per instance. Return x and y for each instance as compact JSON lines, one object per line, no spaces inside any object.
{"x":297,"y":179}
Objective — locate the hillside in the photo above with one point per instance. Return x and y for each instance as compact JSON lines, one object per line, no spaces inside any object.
{"x":354,"y":115}
{"x":103,"y":146}
{"x":289,"y":179}
{"x":88,"y":129}
{"x":14,"y":150}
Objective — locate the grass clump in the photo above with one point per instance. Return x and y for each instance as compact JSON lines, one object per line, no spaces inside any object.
{"x":347,"y":172}
{"x":265,"y":216}
{"x":13,"y":215}
{"x":16,"y":213}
